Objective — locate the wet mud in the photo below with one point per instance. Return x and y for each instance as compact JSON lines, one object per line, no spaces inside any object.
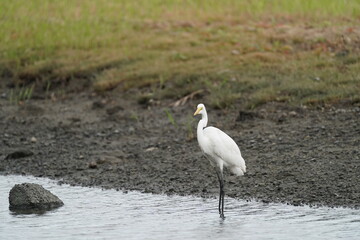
{"x":293,"y":155}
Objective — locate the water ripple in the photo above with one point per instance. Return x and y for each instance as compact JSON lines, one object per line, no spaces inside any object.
{"x":109,"y":214}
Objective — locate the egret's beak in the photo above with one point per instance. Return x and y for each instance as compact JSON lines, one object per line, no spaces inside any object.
{"x":197,"y":111}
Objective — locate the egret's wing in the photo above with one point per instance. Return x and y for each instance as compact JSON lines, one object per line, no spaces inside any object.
{"x":224,"y":147}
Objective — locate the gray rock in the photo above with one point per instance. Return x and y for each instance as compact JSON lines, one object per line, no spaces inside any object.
{"x":32,"y":197}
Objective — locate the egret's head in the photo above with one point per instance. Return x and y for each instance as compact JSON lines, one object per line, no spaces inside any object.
{"x":200,"y":109}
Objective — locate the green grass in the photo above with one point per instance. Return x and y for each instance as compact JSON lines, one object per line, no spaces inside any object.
{"x":170,"y":117}
{"x":300,"y":52}
{"x":21,"y":94}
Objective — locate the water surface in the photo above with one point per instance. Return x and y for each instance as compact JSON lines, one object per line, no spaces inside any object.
{"x":92,"y":213}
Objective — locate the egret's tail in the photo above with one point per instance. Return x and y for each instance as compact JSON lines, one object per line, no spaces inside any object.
{"x":238,"y":171}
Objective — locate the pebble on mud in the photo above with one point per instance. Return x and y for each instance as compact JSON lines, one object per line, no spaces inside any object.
{"x":292,"y":113}
{"x":98,"y":104}
{"x":114,"y":110}
{"x":19,"y":154}
{"x":93,"y":165}
{"x":244,"y":116}
{"x":150,"y":149}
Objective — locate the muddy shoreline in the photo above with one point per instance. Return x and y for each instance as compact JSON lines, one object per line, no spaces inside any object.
{"x":293,"y":155}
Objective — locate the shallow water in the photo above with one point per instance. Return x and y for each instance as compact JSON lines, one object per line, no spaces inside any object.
{"x":92,"y":213}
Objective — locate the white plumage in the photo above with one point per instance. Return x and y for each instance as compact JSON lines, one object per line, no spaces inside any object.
{"x":218,"y":146}
{"x":220,"y":149}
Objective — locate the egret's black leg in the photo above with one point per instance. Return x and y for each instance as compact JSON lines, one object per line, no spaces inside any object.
{"x":222,"y":193}
{"x":217,"y":173}
{"x":222,"y":199}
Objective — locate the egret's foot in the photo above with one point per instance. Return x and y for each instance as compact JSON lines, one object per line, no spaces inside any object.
{"x":222,"y":216}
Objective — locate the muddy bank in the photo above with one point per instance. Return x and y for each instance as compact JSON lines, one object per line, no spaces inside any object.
{"x":293,"y":155}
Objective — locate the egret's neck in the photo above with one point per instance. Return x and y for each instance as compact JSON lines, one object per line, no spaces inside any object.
{"x":202,"y":124}
{"x":200,"y":130}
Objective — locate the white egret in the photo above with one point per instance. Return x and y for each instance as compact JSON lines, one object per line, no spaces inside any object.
{"x":221,"y":150}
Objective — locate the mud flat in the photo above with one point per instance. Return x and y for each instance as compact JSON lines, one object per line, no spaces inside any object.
{"x":293,"y":155}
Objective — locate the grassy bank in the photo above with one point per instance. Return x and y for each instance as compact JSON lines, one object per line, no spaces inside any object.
{"x":301,"y":52}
